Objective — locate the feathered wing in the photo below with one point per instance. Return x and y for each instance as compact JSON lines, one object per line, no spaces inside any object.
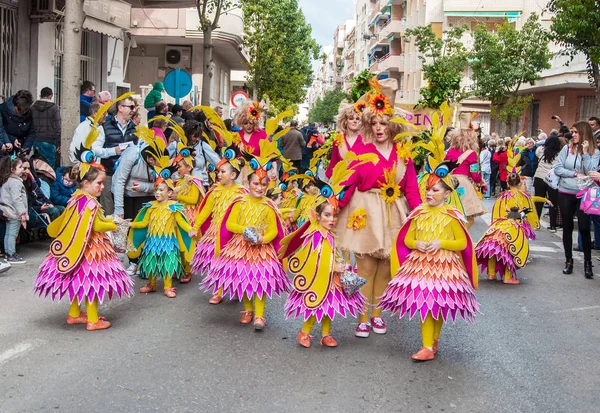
{"x":73,"y":230}
{"x":309,"y":256}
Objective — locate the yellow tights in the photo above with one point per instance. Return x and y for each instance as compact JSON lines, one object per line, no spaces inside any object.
{"x":492,"y":269}
{"x":431,"y":330}
{"x":310,"y":323}
{"x":256,"y":304}
{"x":377,"y":273}
{"x":168,"y":281}
{"x":91,"y":308}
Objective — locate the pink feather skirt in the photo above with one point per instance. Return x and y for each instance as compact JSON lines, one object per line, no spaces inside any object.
{"x":435,"y":284}
{"x":244,"y":269}
{"x":99,"y":273}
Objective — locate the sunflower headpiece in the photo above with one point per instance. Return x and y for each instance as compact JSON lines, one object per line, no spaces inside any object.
{"x":157,"y":149}
{"x":84,"y":152}
{"x":378,"y":102}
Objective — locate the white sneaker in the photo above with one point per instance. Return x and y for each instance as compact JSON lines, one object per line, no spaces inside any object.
{"x":4,"y":266}
{"x":132,"y":269}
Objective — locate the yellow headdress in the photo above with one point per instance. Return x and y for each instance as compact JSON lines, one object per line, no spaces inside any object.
{"x":269,"y":151}
{"x":513,"y":157}
{"x":184,"y":151}
{"x":157,"y":149}
{"x":84,"y":153}
{"x":333,"y":191}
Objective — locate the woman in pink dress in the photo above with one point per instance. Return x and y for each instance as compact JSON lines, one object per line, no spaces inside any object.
{"x":348,"y":138}
{"x":375,"y":206}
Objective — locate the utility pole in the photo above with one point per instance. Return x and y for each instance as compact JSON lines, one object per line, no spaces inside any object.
{"x":71,"y":74}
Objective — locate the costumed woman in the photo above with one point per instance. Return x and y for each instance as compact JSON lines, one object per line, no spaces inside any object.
{"x":376,"y":205}
{"x":160,"y":231}
{"x":82,"y":262}
{"x":348,"y":138}
{"x":312,"y":258}
{"x":246,"y":264}
{"x":433,"y":263}
{"x":217,"y":201}
{"x":464,"y":148}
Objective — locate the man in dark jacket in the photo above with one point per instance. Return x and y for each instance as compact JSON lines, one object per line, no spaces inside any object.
{"x":292,"y":144}
{"x":119,"y":131}
{"x":88,"y":92}
{"x":46,"y":118}
{"x":16,"y":123}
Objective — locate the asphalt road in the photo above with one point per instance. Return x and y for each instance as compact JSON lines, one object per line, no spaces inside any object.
{"x":534,"y":349}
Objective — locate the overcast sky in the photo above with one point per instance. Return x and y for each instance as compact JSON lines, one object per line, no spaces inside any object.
{"x":325,"y":15}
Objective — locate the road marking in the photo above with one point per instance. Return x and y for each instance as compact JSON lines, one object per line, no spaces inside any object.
{"x":16,"y":351}
{"x":487,"y":218}
{"x":568,"y":310}
{"x":540,"y":248}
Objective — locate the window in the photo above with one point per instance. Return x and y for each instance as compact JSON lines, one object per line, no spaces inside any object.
{"x":91,"y":51}
{"x":8,"y":29}
{"x":225,"y":86}
{"x":587,"y":107}
{"x":90,"y":63}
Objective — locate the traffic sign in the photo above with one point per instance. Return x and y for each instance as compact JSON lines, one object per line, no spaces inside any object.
{"x":178,"y":84}
{"x":238,"y":98}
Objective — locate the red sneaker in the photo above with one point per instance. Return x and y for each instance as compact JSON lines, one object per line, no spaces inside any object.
{"x":363,"y":330}
{"x":378,"y":325}
{"x":259,"y":323}
{"x":186,"y":279}
{"x":98,"y":325}
{"x":304,"y":339}
{"x":328,"y":341}
{"x":82,"y":319}
{"x":215,"y":299}
{"x":246,"y":317}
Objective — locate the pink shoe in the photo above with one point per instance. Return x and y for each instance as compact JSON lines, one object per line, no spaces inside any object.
{"x":363,"y":330}
{"x":379,"y":326}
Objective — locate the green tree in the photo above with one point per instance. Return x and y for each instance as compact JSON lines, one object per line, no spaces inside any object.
{"x":361,"y":85}
{"x":280,"y":47}
{"x":506,"y":59}
{"x":209,"y":13}
{"x":326,"y":108}
{"x":575,"y":27}
{"x":444,"y":62}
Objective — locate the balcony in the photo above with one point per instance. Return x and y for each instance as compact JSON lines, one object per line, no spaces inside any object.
{"x":483,"y":6}
{"x":388,"y":63}
{"x":393,"y":27}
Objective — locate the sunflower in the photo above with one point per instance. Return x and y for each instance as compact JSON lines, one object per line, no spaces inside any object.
{"x":380,"y":105}
{"x":358,"y":219}
{"x":360,"y":106}
{"x":254,"y":111}
{"x":237,"y":139}
{"x":390,"y":190}
{"x":338,"y":139}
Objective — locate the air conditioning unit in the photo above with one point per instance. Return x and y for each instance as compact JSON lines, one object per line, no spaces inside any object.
{"x":178,"y":57}
{"x":47,"y":9}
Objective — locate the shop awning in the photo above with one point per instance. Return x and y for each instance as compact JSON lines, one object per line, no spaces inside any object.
{"x":512,"y":16}
{"x":95,"y":25}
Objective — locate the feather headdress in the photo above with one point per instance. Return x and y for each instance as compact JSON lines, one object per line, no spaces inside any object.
{"x":84,"y":153}
{"x":333,"y":191}
{"x":156,"y":148}
{"x":184,"y":151}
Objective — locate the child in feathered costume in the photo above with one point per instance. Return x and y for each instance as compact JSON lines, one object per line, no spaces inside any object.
{"x":159,"y":232}
{"x":82,"y":261}
{"x":504,"y":247}
{"x":515,"y":196}
{"x":433,"y":263}
{"x":246,"y":264}
{"x":189,"y":189}
{"x":311,"y":256}
{"x":217,"y":200}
